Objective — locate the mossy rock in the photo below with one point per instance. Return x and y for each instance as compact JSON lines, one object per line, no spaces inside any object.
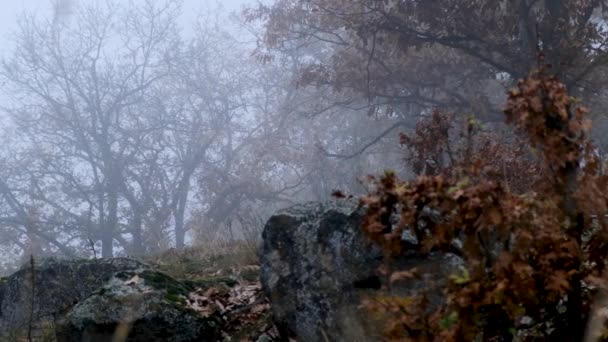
{"x":175,"y":298}
{"x":250,"y":274}
{"x":151,"y":303}
{"x":205,"y":283}
{"x":176,"y":292}
{"x":60,"y":284}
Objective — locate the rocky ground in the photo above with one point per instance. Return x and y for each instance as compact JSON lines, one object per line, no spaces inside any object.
{"x":190,"y":295}
{"x":305,"y":283}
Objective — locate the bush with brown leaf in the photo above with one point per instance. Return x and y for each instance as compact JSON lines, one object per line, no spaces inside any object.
{"x":534,"y":249}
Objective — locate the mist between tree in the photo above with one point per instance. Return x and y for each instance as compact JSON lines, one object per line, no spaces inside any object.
{"x":131,"y":128}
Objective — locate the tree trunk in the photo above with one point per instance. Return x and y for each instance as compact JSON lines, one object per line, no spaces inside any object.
{"x":179,"y":208}
{"x":106,"y":244}
{"x":527,"y":36}
{"x":179,"y":213}
{"x":107,"y":250}
{"x":138,"y":246}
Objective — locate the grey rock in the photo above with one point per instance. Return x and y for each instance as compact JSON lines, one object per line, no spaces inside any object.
{"x":94,"y":300}
{"x":3,"y":286}
{"x":58,"y":285}
{"x":140,"y":305}
{"x":316,"y":266}
{"x":264,"y":338}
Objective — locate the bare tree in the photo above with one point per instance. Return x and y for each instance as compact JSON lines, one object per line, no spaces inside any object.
{"x":76,"y":85}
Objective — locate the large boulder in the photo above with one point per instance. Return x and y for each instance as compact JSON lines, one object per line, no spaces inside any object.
{"x":58,"y":284}
{"x":3,"y":286}
{"x":316,"y":266}
{"x":116,"y":299}
{"x":138,"y":306}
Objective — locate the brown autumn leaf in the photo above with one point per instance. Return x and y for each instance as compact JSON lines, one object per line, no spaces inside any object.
{"x":559,"y":282}
{"x":403,"y":275}
{"x":494,"y":215}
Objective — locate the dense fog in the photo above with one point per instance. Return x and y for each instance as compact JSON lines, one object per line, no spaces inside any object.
{"x":133,"y":127}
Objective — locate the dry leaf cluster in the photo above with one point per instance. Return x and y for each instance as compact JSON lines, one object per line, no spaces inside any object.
{"x":534,"y":250}
{"x":242,"y":307}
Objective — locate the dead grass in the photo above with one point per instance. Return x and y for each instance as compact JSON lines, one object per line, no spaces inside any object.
{"x":233,"y":259}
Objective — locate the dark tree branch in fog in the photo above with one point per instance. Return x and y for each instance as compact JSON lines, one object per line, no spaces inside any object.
{"x":130,"y":132}
{"x":373,"y":142}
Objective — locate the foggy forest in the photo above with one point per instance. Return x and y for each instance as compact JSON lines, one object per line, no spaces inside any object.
{"x":304,"y":170}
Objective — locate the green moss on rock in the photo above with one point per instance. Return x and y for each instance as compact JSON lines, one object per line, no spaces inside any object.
{"x":153,"y":303}
{"x":175,"y":298}
{"x":250,"y":274}
{"x":205,"y":282}
{"x":161,"y":281}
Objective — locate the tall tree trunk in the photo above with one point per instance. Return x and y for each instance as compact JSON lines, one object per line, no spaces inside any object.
{"x":180,"y":233}
{"x":106,"y":241}
{"x":106,"y":244}
{"x":527,"y":37}
{"x":179,"y":207}
{"x":138,"y":208}
{"x":566,"y":183}
{"x":136,"y":230}
{"x":109,"y":229}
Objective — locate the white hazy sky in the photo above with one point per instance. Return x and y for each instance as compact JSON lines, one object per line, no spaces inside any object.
{"x":11,"y":9}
